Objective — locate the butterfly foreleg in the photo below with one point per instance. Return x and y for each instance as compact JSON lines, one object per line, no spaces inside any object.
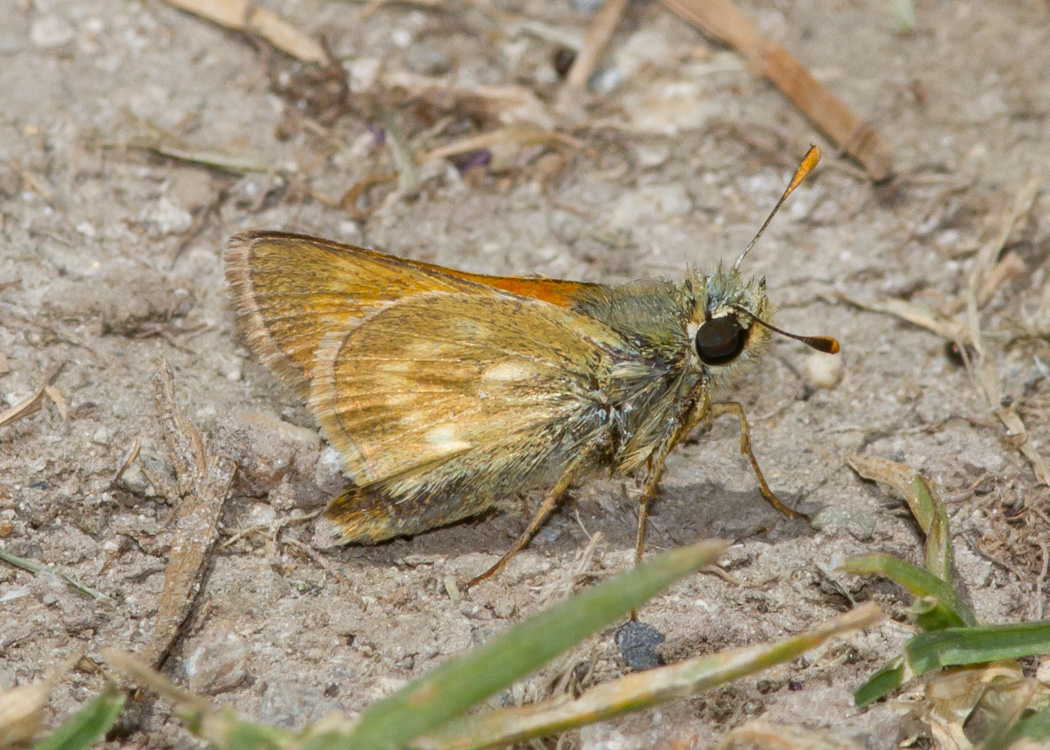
{"x":732,"y":407}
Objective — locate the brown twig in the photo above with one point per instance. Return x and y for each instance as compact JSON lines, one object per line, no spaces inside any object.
{"x":721,"y":20}
{"x":1039,"y":581}
{"x":310,"y":552}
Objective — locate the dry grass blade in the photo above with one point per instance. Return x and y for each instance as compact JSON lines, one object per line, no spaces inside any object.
{"x":30,"y":404}
{"x":1010,"y":266}
{"x":721,"y":19}
{"x":635,"y":691}
{"x":408,"y":179}
{"x":988,"y":256}
{"x":22,"y":708}
{"x":521,"y":134}
{"x":33,"y":566}
{"x":145,"y":676}
{"x":947,"y":328}
{"x":27,"y":407}
{"x":204,"y":480}
{"x":241,"y":15}
{"x":925,"y":504}
{"x":985,"y":374}
{"x":763,"y":734}
{"x":510,"y":104}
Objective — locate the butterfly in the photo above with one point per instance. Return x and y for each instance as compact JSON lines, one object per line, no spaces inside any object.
{"x":445,"y":392}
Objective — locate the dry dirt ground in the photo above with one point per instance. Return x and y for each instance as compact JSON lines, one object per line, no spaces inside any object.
{"x":111,"y":261}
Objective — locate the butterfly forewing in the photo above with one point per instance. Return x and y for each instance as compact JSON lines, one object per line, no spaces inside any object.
{"x":292,"y":291}
{"x":461,"y":379}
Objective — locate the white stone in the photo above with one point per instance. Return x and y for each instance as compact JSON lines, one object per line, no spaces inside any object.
{"x":51,"y":31}
{"x":650,"y":204}
{"x":823,"y":370}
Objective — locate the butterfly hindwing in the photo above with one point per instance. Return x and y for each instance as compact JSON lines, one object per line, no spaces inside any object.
{"x":459,"y":398}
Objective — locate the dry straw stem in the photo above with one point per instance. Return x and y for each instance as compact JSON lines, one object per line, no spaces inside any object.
{"x":523,"y":134}
{"x":233,"y":163}
{"x":241,"y":15}
{"x":636,"y":691}
{"x":509,"y":104}
{"x":721,"y":20}
{"x":601,"y":31}
{"x":204,"y":481}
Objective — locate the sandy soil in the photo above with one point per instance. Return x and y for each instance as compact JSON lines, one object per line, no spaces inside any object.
{"x":111,"y":260}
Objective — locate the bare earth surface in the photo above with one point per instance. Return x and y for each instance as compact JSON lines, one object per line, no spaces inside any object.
{"x":111,"y":261}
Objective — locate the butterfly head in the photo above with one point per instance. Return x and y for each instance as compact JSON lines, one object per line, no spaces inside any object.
{"x":722,"y":327}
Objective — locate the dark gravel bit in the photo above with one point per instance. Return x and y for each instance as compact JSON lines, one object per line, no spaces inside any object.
{"x":637,"y":643}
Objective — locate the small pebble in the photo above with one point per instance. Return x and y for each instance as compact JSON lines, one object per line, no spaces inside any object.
{"x":652,"y":155}
{"x":427,"y":60}
{"x":589,"y":7}
{"x":1042,"y":672}
{"x":261,"y":514}
{"x":823,"y":370}
{"x":167,"y":217}
{"x":51,"y":31}
{"x":651,"y":204}
{"x":218,"y":662}
{"x":637,"y":642}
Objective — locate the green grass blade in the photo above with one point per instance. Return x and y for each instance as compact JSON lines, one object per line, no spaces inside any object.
{"x":218,"y":727}
{"x":977,"y":645}
{"x":635,"y":691}
{"x":938,"y":535}
{"x":1035,"y":727}
{"x":923,"y":501}
{"x":880,"y":684}
{"x":429,"y":702}
{"x":945,"y":611}
{"x":88,"y":725}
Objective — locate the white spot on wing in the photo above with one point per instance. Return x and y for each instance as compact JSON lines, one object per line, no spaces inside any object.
{"x":398,"y":366}
{"x":507,"y":372}
{"x":473,"y":329}
{"x":443,"y":437}
{"x":424,"y":348}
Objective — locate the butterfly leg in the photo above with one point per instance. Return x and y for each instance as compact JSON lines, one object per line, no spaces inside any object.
{"x":718,"y":409}
{"x":643,"y":510}
{"x":550,"y":502}
{"x":693,"y":412}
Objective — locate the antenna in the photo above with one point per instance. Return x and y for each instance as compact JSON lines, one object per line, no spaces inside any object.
{"x":808,"y":162}
{"x":825,"y":344}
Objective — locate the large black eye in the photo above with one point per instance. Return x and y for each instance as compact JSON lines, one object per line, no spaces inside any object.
{"x":720,"y":340}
